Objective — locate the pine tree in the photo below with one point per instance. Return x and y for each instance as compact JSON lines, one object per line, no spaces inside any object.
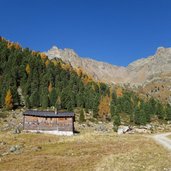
{"x":82,"y":117}
{"x":168,"y":112}
{"x":117,"y":120}
{"x":27,"y":102}
{"x":58,"y":103}
{"x":159,"y":110}
{"x":9,"y":100}
{"x":34,"y":99}
{"x":44,"y":101}
{"x":136,"y":115}
{"x":114,"y":97}
{"x":95,"y":106}
{"x":53,"y":97}
{"x":139,"y":116}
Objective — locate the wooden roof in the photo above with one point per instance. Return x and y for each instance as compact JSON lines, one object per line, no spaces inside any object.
{"x":50,"y":114}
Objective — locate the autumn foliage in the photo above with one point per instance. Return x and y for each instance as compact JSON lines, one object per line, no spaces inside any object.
{"x":119,"y":91}
{"x":47,"y":62}
{"x":28,"y":69}
{"x":50,"y":87}
{"x":8,"y":100}
{"x":43,"y":56}
{"x":104,"y":108}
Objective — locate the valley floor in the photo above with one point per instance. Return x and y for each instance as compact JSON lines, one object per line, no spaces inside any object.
{"x":84,"y":151}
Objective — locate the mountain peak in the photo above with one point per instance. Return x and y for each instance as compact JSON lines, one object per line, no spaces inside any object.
{"x":55,"y":47}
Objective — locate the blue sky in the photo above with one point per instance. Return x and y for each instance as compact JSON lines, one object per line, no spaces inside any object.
{"x":114,"y":31}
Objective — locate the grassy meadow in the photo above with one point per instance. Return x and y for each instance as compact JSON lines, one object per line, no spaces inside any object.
{"x":85,"y":151}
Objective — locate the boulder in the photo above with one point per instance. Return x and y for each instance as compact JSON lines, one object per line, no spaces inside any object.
{"x":149,"y":126}
{"x":123,"y":129}
{"x":17,"y":131}
{"x":15,"y":148}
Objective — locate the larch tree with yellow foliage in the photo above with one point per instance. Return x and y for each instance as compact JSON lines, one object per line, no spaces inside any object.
{"x":9,"y":100}
{"x":28,"y":69}
{"x":50,"y":87}
{"x":104,"y":108}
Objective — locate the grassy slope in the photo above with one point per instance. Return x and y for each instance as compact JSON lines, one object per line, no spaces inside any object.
{"x":87,"y":151}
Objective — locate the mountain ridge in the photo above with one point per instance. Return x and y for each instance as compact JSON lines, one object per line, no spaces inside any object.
{"x":132,"y":74}
{"x":153,"y":71}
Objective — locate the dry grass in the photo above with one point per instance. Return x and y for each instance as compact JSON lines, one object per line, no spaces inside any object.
{"x":87,"y":151}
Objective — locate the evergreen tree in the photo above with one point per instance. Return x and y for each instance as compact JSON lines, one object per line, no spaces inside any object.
{"x":82,"y":117}
{"x":44,"y":101}
{"x":27,"y":102}
{"x":53,"y":97}
{"x":58,"y":103}
{"x":159,"y":110}
{"x":152,"y":106}
{"x":145,"y":107}
{"x":168,"y":112}
{"x":95,"y":106}
{"x":114,"y":98}
{"x":139,"y":116}
{"x":34,"y":99}
{"x":117,"y":120}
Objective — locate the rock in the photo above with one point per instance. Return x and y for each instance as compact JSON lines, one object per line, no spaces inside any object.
{"x":17,"y":131}
{"x":123,"y":129}
{"x":141,"y":130}
{"x":149,"y":126}
{"x":4,"y":154}
{"x":90,"y":124}
{"x":168,"y":122}
{"x":83,"y":125}
{"x":2,"y":143}
{"x":15,"y":148}
{"x":38,"y":148}
{"x":101,"y":127}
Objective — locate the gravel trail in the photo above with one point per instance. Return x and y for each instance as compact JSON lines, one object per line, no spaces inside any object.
{"x":163,"y":140}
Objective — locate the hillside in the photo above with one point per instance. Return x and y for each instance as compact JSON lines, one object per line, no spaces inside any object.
{"x":31,"y":79}
{"x":144,"y":75}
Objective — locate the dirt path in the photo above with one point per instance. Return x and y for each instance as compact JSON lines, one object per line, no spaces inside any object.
{"x":163,"y":140}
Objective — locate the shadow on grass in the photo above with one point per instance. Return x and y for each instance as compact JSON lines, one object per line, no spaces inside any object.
{"x":76,"y":132}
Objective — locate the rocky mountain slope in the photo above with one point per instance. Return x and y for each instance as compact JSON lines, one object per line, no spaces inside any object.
{"x":152,"y":75}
